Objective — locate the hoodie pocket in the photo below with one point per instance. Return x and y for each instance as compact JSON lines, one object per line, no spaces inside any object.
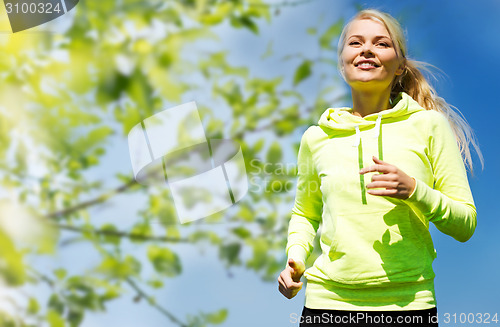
{"x":376,"y":247}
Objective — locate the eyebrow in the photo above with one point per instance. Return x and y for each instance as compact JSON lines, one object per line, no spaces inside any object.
{"x":376,"y":37}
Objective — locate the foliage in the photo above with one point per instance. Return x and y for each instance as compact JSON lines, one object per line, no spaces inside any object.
{"x":66,"y":99}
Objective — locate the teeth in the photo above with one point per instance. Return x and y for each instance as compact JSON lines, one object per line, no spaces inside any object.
{"x":366,"y":64}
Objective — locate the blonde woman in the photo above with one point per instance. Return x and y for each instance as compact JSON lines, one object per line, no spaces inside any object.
{"x":375,"y":175}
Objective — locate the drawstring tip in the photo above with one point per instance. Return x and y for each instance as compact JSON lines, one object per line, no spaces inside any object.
{"x":358,"y":137}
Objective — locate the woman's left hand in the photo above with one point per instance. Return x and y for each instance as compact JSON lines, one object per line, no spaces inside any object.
{"x":393,"y":181}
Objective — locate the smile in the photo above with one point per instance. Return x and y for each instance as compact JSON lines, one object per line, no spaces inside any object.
{"x":366,"y":65}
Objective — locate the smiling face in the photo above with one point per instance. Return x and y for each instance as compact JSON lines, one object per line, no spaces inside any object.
{"x":369,"y":58}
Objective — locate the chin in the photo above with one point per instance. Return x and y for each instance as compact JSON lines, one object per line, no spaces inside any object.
{"x":368,"y":84}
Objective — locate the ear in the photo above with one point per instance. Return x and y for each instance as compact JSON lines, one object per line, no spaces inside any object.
{"x":400,"y":69}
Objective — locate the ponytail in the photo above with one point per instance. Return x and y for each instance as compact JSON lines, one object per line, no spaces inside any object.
{"x":413,"y":82}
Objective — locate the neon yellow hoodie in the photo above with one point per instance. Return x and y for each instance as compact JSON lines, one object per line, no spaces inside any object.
{"x":377,"y":251}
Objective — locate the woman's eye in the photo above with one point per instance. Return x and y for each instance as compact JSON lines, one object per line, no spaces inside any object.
{"x":354,"y":43}
{"x":384,"y":44}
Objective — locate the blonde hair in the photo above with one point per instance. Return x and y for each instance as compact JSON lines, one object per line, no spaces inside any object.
{"x":413,"y":82}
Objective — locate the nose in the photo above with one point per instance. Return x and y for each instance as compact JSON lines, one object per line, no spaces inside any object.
{"x":366,"y":48}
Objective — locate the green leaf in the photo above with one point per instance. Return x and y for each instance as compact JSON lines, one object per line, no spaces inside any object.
{"x":215,"y":128}
{"x":258,"y":145}
{"x":274,"y":154}
{"x":112,"y":292}
{"x":115,"y":268}
{"x":94,"y":138}
{"x":246,"y":214}
{"x":75,"y":317}
{"x":230,"y":253}
{"x":142,"y":228}
{"x":302,"y":72}
{"x":33,"y":306}
{"x":201,"y":235}
{"x":245,"y":21}
{"x":164,"y":261}
{"x":55,"y":304}
{"x":156,"y":283}
{"x":112,"y":239}
{"x":284,"y":127}
{"x":140,"y":91}
{"x":55,"y":319}
{"x":332,"y":32}
{"x":12,"y":267}
{"x":242,"y":232}
{"x":218,"y":16}
{"x":217,"y":317}
{"x":259,"y":259}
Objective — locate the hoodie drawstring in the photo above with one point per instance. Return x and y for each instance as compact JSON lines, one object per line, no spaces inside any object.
{"x":377,"y":132}
{"x":377,"y":126}
{"x":358,"y":137}
{"x":357,"y":143}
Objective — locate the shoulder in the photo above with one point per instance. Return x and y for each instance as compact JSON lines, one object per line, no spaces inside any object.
{"x":313,"y":133}
{"x":431,"y":116}
{"x":431,"y":119}
{"x":313,"y":138}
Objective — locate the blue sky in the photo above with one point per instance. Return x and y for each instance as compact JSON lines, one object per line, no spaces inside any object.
{"x":459,"y":37}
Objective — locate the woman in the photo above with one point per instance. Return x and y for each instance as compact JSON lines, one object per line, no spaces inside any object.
{"x":375,"y":175}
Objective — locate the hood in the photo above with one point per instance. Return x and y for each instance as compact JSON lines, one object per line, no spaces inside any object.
{"x":341,"y":120}
{"x":337,"y":121}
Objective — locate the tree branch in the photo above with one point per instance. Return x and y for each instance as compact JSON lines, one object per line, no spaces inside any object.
{"x":132,"y":236}
{"x":83,"y":205}
{"x":153,"y":303}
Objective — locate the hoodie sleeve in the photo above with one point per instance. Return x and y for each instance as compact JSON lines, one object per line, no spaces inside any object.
{"x":449,"y":204}
{"x":308,"y":206}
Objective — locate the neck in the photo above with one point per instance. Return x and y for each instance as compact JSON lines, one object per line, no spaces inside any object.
{"x":367,"y":102}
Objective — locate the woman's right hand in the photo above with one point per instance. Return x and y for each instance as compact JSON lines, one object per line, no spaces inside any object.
{"x":289,"y":279}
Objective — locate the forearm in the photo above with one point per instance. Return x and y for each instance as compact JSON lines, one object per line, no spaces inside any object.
{"x":454,"y":217}
{"x":301,"y":234}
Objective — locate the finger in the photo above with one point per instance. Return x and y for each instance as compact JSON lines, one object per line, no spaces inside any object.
{"x":285,"y":293}
{"x":384,"y":177}
{"x":287,"y":280}
{"x":293,"y":285}
{"x":283,"y":289}
{"x":280,"y":280}
{"x":378,"y":161}
{"x":383,"y":184}
{"x":383,"y":192}
{"x":377,"y":167}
